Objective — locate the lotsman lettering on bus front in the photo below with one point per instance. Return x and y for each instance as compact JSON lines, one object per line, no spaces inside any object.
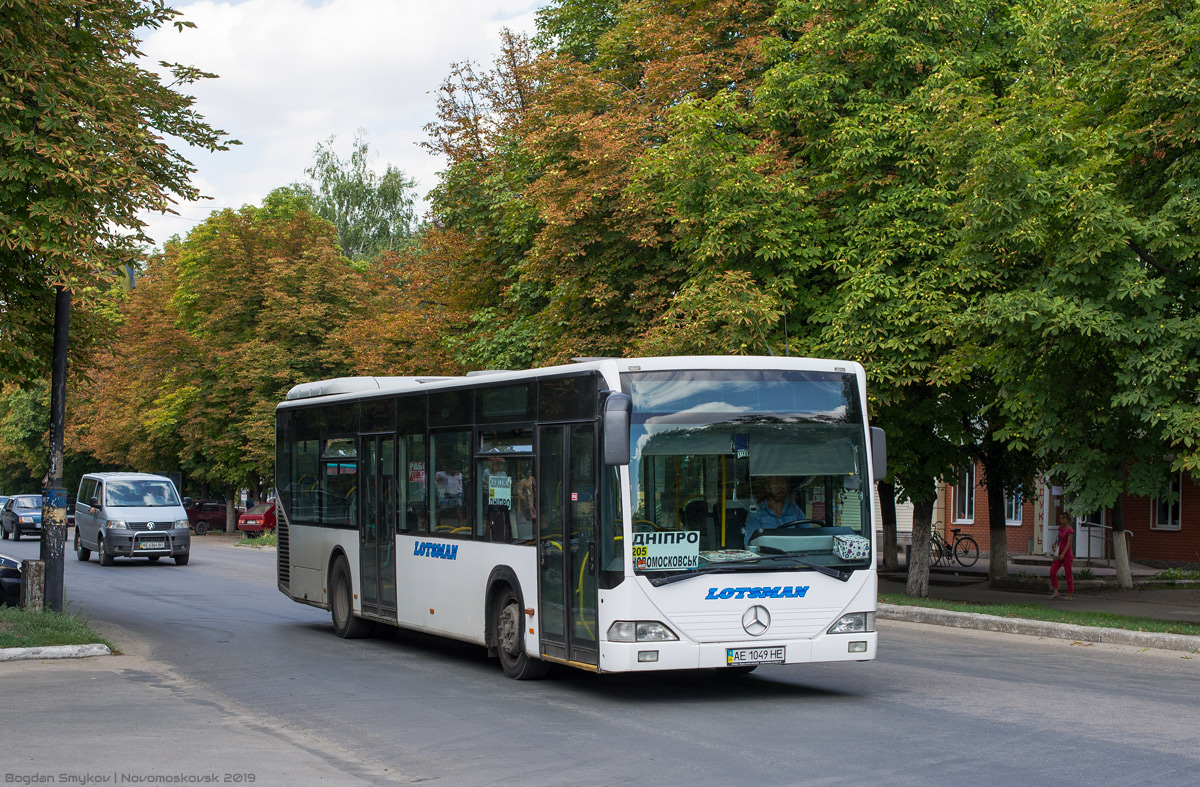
{"x":797,"y":591}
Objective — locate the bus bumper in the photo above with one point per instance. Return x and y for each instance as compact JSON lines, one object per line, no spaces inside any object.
{"x":650,"y":656}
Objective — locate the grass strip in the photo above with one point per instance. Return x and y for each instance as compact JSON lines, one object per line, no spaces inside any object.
{"x":20,"y":628}
{"x":1034,"y":612}
{"x":267,"y":539}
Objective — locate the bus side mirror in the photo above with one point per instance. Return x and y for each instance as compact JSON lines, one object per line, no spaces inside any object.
{"x":618,"y":414}
{"x":878,"y":453}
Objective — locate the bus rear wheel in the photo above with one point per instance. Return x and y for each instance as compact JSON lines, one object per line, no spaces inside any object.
{"x":341,"y":604}
{"x":509,"y":640}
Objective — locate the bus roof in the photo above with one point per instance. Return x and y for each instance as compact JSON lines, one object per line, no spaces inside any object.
{"x":354,"y":387}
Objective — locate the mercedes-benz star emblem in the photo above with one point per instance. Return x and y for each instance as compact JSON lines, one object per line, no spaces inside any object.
{"x":756,"y":621}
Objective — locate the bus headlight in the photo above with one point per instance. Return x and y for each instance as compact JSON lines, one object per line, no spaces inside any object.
{"x":854,"y":623}
{"x":639,"y":631}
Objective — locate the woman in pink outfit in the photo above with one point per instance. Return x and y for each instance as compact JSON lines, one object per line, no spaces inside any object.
{"x":1064,"y":555}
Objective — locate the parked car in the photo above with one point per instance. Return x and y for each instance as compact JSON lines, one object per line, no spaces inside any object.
{"x":205,"y":515}
{"x":21,"y":515}
{"x":130,"y":515}
{"x":10,"y":581}
{"x":258,"y":518}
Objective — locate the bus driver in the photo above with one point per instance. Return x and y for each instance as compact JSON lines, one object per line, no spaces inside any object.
{"x":775,"y":510}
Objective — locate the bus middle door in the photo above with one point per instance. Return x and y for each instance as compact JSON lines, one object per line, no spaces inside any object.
{"x":377,"y":525}
{"x":567,"y":491}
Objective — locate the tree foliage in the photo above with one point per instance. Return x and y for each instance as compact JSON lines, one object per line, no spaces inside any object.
{"x":372,"y":213}
{"x":83,"y":151}
{"x":223,"y":323}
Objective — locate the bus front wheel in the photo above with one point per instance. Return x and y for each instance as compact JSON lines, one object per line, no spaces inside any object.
{"x":511,"y":643}
{"x":341,"y":604}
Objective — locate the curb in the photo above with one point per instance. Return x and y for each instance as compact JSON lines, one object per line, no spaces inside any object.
{"x":1039,"y":628}
{"x":54,"y":652}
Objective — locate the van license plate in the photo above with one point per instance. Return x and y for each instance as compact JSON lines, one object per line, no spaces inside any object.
{"x":152,"y":545}
{"x":737,"y":656}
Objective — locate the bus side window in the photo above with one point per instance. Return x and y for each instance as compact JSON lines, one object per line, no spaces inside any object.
{"x":452,"y":482}
{"x":414,"y":500}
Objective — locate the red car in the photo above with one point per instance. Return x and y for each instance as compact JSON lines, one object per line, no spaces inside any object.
{"x":205,"y":515}
{"x":258,"y":519}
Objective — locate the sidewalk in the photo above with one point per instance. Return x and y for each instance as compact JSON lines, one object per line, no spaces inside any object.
{"x":1028,"y":584}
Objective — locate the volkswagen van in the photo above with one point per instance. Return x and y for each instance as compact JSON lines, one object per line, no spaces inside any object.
{"x":130,"y":515}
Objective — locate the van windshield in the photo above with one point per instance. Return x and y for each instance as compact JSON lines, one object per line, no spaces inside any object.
{"x":140,"y":493}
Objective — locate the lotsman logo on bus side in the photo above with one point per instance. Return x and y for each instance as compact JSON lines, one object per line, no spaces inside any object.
{"x":780,"y":592}
{"x":431,"y":549}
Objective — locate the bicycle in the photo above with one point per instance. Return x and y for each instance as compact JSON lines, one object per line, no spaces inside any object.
{"x":964,"y":549}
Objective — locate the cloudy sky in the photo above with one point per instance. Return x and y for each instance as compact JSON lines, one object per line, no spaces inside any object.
{"x":293,"y":73}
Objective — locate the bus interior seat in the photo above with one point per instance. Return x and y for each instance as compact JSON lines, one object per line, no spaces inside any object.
{"x":735,"y":525}
{"x":695,"y":517}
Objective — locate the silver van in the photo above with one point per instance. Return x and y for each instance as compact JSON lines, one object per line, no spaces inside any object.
{"x":130,"y":515}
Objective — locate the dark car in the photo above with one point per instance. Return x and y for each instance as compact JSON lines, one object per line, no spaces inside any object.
{"x":21,"y":515}
{"x":258,"y":518}
{"x":205,"y":515}
{"x":10,"y":581}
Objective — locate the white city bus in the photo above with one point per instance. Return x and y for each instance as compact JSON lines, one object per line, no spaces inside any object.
{"x":614,"y":515}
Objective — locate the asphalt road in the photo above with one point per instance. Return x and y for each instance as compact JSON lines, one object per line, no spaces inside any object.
{"x":222,"y":675}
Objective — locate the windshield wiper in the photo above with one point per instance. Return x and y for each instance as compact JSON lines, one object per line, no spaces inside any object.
{"x":828,"y":571}
{"x":731,"y":567}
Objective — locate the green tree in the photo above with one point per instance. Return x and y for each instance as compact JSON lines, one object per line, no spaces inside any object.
{"x":823,"y":179}
{"x":372,"y":213}
{"x":83,"y":151}
{"x":1079,"y":182}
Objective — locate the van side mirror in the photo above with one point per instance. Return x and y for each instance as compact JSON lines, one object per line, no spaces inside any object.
{"x":618,"y":414}
{"x":878,"y":453}
{"x":93,"y":501}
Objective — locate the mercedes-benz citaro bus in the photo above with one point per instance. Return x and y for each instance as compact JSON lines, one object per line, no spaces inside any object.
{"x":615,"y":515}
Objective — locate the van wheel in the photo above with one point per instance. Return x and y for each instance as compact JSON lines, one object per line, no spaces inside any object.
{"x":341,"y":604}
{"x":510,"y":642}
{"x":81,"y":552}
{"x":105,"y":558}
{"x":181,"y":560}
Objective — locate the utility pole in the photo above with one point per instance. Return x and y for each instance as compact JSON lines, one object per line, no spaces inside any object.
{"x":54,"y":497}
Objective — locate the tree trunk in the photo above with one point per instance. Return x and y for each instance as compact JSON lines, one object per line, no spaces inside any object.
{"x":1120,"y":550}
{"x":997,"y":529}
{"x":918,"y":561}
{"x":230,"y":510}
{"x":887,"y":513}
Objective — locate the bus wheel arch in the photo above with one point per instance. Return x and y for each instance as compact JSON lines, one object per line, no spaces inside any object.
{"x":341,"y":599}
{"x":504,"y":633}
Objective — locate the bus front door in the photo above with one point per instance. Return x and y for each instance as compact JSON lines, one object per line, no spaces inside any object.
{"x":567,"y":486}
{"x":377,"y":526}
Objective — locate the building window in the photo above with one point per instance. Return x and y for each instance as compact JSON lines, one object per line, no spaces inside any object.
{"x":1012,"y":508}
{"x":964,"y":495}
{"x":1165,"y":511}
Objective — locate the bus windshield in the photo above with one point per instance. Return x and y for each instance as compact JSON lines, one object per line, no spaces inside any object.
{"x":748,"y":470}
